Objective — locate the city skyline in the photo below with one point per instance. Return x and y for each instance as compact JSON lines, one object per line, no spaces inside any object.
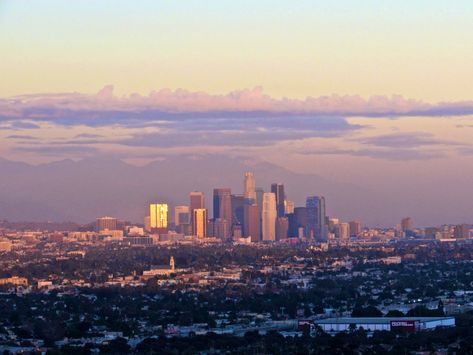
{"x":236,"y":177}
{"x":374,"y":98}
{"x":131,"y":208}
{"x":239,"y":218}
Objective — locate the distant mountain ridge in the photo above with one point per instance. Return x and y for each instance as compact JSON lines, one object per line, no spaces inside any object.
{"x":80,"y":191}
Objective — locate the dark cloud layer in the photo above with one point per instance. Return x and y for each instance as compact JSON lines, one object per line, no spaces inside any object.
{"x":222,"y":131}
{"x":104,"y":109}
{"x":406,"y":140}
{"x":19,"y":124}
{"x":57,"y":150}
{"x":247,"y":118}
{"x":251,"y":131}
{"x":399,"y":154}
{"x":20,"y":136}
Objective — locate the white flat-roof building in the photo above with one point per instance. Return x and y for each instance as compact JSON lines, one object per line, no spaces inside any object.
{"x":406,"y":324}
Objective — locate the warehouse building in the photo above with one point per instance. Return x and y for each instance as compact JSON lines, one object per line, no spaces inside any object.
{"x":370,"y":324}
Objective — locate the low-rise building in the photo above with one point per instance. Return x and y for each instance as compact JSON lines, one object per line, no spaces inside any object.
{"x":370,"y":324}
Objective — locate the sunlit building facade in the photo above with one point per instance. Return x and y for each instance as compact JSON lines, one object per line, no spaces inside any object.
{"x":196,"y":199}
{"x":199,"y":220}
{"x":106,"y":223}
{"x":158,"y":214}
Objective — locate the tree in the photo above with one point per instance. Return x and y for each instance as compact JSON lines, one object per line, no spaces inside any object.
{"x":369,"y":311}
{"x":116,"y":346}
{"x":395,"y":313}
{"x":423,"y":311}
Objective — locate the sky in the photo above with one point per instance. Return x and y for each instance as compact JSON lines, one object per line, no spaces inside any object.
{"x":374,"y":93}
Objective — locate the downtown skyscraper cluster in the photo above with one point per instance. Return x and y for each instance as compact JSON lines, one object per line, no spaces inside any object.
{"x":256,"y":214}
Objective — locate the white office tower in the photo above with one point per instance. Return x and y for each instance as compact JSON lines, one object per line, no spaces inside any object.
{"x":269,"y":215}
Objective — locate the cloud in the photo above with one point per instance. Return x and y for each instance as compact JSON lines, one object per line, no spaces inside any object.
{"x":406,"y":140}
{"x":468,"y":151}
{"x":20,"y":125}
{"x":239,"y":119}
{"x":396,"y":147}
{"x":105,"y":108}
{"x":24,"y":137}
{"x":57,"y":150}
{"x":223,"y":131}
{"x":400,"y":154}
{"x":88,"y":136}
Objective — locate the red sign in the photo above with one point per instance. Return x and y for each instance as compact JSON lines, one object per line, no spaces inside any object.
{"x":304,"y":323}
{"x":409,"y":326}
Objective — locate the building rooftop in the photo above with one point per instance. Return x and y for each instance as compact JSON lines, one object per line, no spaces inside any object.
{"x":376,"y":320}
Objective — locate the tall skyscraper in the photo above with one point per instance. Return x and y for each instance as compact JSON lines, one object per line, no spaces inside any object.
{"x":259,"y":199}
{"x":196,"y":202}
{"x":109,"y":223}
{"x":298,"y":222}
{"x":210,"y":228}
{"x":316,"y":218}
{"x":252,"y":226}
{"x":282,"y":227}
{"x":158,"y":214}
{"x":269,"y":216}
{"x":223,"y":204}
{"x":259,"y":196}
{"x":237,"y":203}
{"x":278,"y":191}
{"x":181,"y":215}
{"x":200,"y":222}
{"x":249,"y":188}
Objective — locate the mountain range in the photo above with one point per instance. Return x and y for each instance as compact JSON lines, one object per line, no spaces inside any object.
{"x":80,"y":191}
